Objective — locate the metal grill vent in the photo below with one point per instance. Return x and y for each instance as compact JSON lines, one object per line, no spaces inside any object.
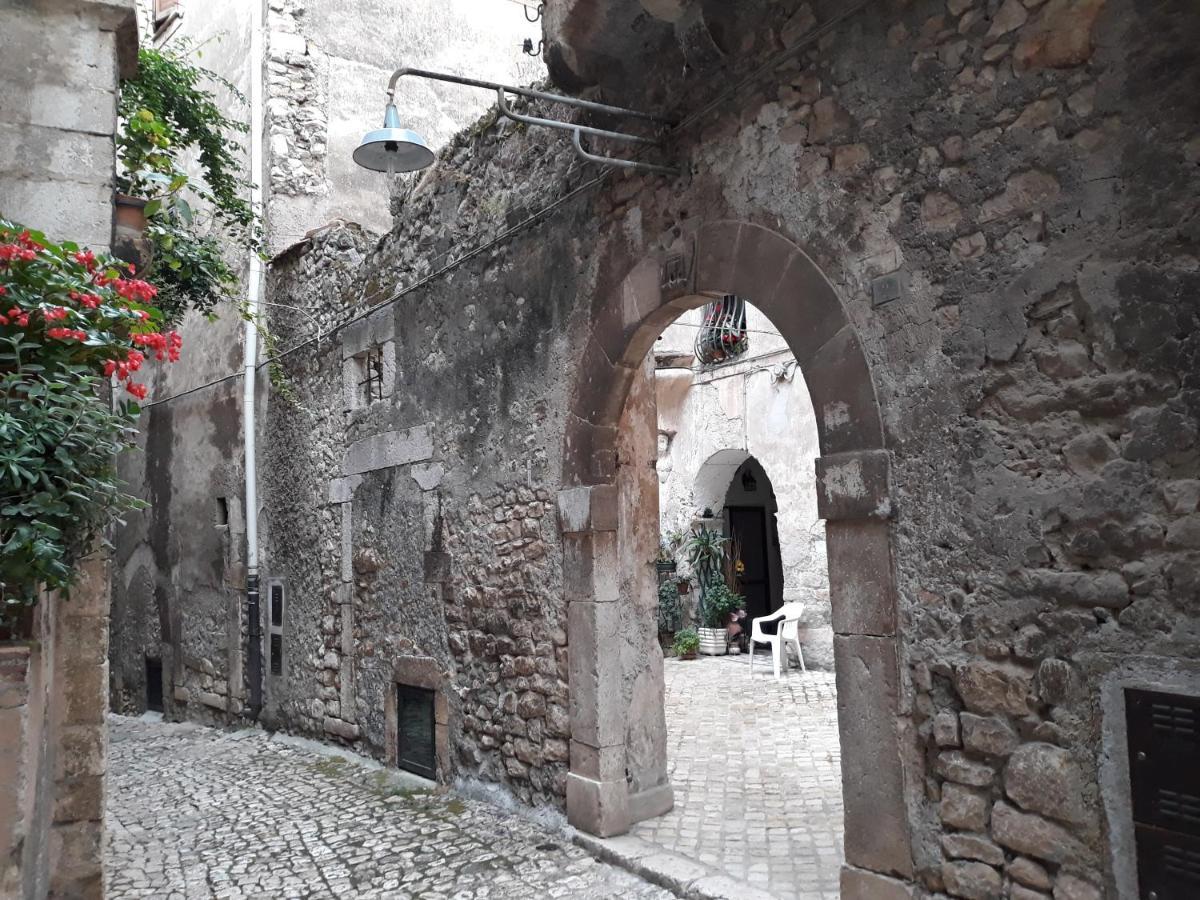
{"x":1178,"y":720}
{"x":1182,"y":861}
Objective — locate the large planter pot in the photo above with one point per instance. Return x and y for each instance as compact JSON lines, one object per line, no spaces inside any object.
{"x":712,"y":641}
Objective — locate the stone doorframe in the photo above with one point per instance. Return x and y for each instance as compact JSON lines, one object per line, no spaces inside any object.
{"x":877,"y":741}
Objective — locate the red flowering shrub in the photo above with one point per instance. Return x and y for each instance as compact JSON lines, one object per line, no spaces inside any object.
{"x":71,"y":323}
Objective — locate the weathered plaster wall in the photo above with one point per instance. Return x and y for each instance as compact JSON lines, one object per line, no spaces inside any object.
{"x":1037,"y":378}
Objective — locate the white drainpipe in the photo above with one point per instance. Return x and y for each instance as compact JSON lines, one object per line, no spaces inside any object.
{"x":250,"y":347}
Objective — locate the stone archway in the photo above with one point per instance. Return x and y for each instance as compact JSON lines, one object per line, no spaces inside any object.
{"x":853,"y":498}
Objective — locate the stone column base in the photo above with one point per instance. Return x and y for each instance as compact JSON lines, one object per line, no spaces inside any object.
{"x":651,"y":802}
{"x":598,"y":807}
{"x":860,"y":884}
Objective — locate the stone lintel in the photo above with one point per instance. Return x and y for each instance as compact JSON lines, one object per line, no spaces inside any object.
{"x":854,"y":485}
{"x":390,"y":448}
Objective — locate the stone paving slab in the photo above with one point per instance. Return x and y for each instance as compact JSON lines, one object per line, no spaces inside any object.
{"x":195,"y":812}
{"x":756,"y":768}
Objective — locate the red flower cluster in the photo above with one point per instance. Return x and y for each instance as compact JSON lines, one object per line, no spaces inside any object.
{"x":122,"y":368}
{"x":87,"y":259}
{"x":24,"y":250}
{"x":138,"y":390}
{"x":54,"y":313}
{"x":67,"y":334}
{"x":16,"y":316}
{"x":165,"y":346}
{"x":91,"y":301}
{"x":135,"y":289}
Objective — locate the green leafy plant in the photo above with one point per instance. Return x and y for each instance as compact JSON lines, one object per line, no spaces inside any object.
{"x":686,"y":643}
{"x":719,"y":602}
{"x":705,"y":550}
{"x":71,"y":325}
{"x":670,"y":615}
{"x":193,"y":224}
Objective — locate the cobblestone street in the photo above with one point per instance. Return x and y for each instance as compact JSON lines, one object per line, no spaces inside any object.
{"x":757,"y":775}
{"x":195,"y":812}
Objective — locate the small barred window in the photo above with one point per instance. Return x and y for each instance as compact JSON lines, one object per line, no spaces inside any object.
{"x":723,"y":334}
{"x":370,"y":388}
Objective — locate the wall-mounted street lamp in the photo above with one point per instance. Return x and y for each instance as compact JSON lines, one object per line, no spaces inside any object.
{"x":394,"y":149}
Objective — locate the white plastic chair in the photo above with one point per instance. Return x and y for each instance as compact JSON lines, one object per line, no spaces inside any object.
{"x":787,"y":633}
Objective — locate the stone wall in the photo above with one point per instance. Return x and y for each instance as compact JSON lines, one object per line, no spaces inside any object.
{"x":1017,"y":264}
{"x":58,"y":75}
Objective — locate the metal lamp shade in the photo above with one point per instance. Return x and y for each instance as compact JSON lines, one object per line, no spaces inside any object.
{"x":392,"y":148}
{"x":406,"y":150}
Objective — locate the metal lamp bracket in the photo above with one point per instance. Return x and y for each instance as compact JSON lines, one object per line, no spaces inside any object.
{"x":577,"y":130}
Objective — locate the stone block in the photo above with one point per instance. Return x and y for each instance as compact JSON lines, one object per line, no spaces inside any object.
{"x":76,"y":867}
{"x":1060,"y":37}
{"x":843,"y":396}
{"x":79,"y":799}
{"x":1045,"y":779}
{"x":584,"y":509}
{"x":859,"y":884}
{"x":955,"y":766}
{"x":988,"y":687}
{"x":864,"y":596}
{"x":805,"y":309}
{"x":717,"y":258}
{"x":946,"y":728}
{"x":991,"y":735}
{"x":876,"y":818}
{"x":963,"y":807}
{"x":972,"y":880}
{"x":1034,"y":836}
{"x":390,"y":448}
{"x":345,"y":730}
{"x":854,"y":486}
{"x":1031,"y":874}
{"x":1071,"y":887}
{"x":598,"y":807}
{"x":597,"y":714}
{"x":81,"y":752}
{"x":972,"y":846}
{"x":590,"y":567}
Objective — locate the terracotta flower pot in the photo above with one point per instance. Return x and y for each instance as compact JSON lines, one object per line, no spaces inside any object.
{"x":129,"y":213}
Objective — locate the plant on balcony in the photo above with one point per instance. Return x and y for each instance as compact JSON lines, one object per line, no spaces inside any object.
{"x":75,"y":329}
{"x":198,"y":228}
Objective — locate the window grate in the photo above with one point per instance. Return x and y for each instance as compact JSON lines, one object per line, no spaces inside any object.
{"x":415,"y":749}
{"x":276,"y":653}
{"x":275,"y":600}
{"x":370,"y":388}
{"x":723,"y":335}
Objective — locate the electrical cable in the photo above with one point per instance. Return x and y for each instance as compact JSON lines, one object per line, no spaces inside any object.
{"x":772,"y":63}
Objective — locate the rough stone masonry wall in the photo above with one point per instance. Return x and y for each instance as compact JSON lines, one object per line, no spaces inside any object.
{"x":1037,"y":380}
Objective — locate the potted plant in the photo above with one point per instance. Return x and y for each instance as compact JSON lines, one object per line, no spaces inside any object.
{"x":665,"y":563}
{"x":686,"y":643}
{"x":705,"y":548}
{"x":720,"y":606}
{"x":670,"y":616}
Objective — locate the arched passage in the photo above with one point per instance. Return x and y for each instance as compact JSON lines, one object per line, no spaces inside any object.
{"x":608,"y":714}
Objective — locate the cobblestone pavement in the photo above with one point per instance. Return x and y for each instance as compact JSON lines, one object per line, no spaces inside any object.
{"x":195,"y":812}
{"x":756,"y":768}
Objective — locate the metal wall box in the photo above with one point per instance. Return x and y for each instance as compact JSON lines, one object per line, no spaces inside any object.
{"x":1163,"y":734}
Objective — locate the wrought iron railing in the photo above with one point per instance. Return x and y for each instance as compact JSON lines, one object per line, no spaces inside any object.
{"x":723,"y":333}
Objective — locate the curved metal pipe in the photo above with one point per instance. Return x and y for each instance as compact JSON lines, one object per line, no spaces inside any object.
{"x":505,"y":110}
{"x":523,"y":92}
{"x":622,"y":163}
